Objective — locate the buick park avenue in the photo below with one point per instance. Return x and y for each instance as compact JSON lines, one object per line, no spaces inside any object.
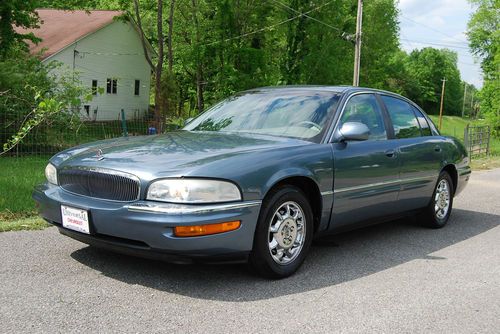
{"x":257,"y":177}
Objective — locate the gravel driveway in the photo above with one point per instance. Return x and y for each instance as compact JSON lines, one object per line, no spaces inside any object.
{"x":395,"y":277}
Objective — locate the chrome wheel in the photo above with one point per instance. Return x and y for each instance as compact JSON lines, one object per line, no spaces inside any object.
{"x":287,"y":233}
{"x":442,"y":199}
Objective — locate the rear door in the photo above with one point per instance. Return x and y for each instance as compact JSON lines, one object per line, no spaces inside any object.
{"x":420,"y":153}
{"x":366,"y":180}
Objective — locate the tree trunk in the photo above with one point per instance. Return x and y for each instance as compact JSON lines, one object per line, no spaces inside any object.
{"x":159,"y":66}
{"x":199,"y":89}
{"x":169,"y":38}
{"x":199,"y":68}
{"x":141,"y":33}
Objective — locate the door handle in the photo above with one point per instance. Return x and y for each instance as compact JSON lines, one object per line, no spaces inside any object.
{"x":390,"y":153}
{"x":437,"y":148}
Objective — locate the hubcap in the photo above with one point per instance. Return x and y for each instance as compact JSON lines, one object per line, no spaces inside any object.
{"x":287,"y":231}
{"x":442,"y":199}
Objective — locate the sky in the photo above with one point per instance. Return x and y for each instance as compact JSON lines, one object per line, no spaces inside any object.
{"x":440,"y":24}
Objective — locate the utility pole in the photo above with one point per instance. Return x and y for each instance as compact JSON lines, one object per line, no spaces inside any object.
{"x":472,"y":104}
{"x":357,"y":44}
{"x":465,"y":94}
{"x":442,"y":102}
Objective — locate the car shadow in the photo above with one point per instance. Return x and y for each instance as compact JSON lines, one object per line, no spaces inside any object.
{"x":332,"y":261}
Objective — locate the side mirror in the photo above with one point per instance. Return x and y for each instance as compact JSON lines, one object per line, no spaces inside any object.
{"x":354,"y":131}
{"x":189,"y":120}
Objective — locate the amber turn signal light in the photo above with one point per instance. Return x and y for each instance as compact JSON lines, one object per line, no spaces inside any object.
{"x":199,"y":230}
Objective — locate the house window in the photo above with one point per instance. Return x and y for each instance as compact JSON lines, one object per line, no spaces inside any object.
{"x":87,"y":109}
{"x":111,"y":86}
{"x":137,"y":87}
{"x":94,"y":87}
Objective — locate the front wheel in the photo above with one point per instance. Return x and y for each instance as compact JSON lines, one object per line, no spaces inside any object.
{"x":438,"y":211}
{"x":284,"y":233}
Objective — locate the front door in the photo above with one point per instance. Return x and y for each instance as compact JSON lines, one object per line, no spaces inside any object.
{"x":366,"y":179}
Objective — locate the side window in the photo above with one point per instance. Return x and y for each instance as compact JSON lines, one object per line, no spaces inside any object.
{"x":424,"y":126}
{"x":403,"y":119}
{"x":364,"y":109}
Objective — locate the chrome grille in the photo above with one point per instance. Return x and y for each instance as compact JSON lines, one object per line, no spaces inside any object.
{"x":100,"y":183}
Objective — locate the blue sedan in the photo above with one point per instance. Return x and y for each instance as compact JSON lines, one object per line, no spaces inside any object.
{"x":257,"y":177}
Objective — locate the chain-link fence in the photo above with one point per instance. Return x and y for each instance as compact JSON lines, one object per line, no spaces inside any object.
{"x":477,"y":140}
{"x":54,"y":136}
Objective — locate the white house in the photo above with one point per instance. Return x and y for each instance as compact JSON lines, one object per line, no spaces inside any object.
{"x":102,"y":52}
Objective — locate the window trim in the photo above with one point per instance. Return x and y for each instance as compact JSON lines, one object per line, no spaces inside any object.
{"x":137,"y":87}
{"x":96,"y":87}
{"x":112,"y":84}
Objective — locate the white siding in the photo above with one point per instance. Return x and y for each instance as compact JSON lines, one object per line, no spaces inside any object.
{"x":115,"y":51}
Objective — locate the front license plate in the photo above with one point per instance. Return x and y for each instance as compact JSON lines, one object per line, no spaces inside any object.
{"x":75,"y":219}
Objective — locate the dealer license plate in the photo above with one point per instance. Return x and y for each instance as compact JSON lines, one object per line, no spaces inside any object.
{"x":75,"y":219}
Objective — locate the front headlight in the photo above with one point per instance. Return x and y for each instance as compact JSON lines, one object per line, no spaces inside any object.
{"x":51,"y":173}
{"x":193,"y":191}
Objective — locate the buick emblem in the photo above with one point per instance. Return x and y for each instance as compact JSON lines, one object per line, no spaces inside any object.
{"x":99,"y":155}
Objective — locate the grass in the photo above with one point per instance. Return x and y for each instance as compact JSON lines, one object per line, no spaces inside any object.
{"x":454,"y":126}
{"x":17,"y":179}
{"x":23,"y":224}
{"x":484,"y":163}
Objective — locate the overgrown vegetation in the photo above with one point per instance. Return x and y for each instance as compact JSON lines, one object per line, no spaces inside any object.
{"x":484,"y":40}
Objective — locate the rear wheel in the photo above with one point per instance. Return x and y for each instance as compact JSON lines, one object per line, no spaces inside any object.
{"x":284,"y":233}
{"x":438,"y":211}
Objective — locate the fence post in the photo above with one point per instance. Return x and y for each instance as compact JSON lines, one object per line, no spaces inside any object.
{"x":124,"y":124}
{"x":466,"y":140}
{"x":488,"y":132}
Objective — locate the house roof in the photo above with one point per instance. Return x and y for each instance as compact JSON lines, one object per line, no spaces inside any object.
{"x":60,"y":28}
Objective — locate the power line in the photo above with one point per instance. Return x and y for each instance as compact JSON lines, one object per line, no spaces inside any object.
{"x":431,"y":28}
{"x":344,"y":35}
{"x":270,"y":27}
{"x":436,"y":44}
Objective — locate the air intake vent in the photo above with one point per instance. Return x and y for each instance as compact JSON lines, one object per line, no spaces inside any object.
{"x":100,"y":183}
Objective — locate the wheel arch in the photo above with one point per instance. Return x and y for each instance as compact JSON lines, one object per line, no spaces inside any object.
{"x":310,"y":189}
{"x":451,"y":169}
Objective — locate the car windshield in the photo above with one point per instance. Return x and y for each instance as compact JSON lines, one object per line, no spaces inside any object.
{"x":297,"y":114}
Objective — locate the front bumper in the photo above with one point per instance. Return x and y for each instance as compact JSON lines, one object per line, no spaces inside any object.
{"x":145,"y":228}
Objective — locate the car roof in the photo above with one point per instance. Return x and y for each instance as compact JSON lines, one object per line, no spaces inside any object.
{"x":336,"y":89}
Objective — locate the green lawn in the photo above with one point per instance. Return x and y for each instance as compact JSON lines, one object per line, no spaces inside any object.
{"x":454,"y":126}
{"x":17,"y":178}
{"x":27,"y":223}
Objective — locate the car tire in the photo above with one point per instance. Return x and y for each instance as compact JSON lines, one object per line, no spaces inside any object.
{"x":281,"y":244}
{"x":438,"y":212}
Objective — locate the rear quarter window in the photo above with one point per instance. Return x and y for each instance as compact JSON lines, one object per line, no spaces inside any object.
{"x":422,"y":121}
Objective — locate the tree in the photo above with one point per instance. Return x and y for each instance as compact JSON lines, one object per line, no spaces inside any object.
{"x":484,"y":39}
{"x":16,"y":14}
{"x":428,"y":67}
{"x":158,"y":67}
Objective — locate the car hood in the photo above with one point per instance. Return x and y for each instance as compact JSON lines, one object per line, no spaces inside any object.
{"x":173,"y":154}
